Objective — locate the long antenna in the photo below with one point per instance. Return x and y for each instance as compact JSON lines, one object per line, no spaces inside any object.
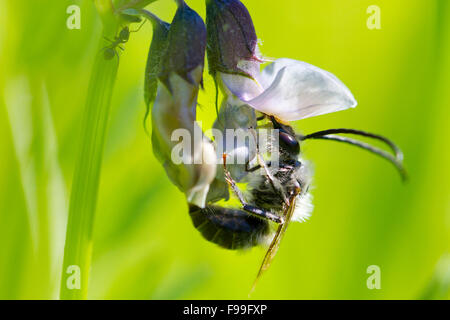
{"x":396,"y":160}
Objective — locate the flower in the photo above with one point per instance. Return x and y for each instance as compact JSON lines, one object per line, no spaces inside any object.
{"x":231,"y":39}
{"x":288,"y":89}
{"x":291,"y":90}
{"x":180,"y":76}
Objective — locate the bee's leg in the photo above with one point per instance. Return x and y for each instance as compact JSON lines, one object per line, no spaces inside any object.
{"x":257,"y":167}
{"x":262,"y":213}
{"x":233,"y":185}
{"x":248,"y":169}
{"x":260,"y":118}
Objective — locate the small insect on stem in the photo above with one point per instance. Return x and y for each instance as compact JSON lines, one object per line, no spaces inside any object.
{"x":109,"y":52}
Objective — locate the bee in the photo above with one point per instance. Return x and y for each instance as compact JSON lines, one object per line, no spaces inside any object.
{"x":276,"y":197}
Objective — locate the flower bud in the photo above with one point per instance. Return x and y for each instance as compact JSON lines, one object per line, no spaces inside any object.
{"x":232,"y":38}
{"x":186,"y":45}
{"x":174,"y":110}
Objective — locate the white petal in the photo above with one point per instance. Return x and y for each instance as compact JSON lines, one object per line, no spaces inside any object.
{"x":242,"y":87}
{"x":296,"y":90}
{"x":206,"y":172}
{"x":174,"y":111}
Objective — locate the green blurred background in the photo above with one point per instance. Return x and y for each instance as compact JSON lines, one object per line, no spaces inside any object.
{"x":145,"y":245}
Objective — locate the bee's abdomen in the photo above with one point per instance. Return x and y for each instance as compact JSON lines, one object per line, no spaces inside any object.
{"x":229,"y":228}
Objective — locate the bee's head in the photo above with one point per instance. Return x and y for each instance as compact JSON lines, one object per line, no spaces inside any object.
{"x":287,"y":139}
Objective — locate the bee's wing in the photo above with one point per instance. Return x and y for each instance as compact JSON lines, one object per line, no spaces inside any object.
{"x":275,"y":244}
{"x":294,"y":90}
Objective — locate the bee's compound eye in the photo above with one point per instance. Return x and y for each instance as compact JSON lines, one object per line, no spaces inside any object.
{"x":289,"y":143}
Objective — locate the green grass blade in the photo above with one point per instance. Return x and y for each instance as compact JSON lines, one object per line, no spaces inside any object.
{"x":78,"y":246}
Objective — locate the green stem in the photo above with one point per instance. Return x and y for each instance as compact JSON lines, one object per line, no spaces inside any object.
{"x":78,"y":245}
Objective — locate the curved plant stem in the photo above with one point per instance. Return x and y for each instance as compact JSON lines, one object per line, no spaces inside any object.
{"x":83,"y":200}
